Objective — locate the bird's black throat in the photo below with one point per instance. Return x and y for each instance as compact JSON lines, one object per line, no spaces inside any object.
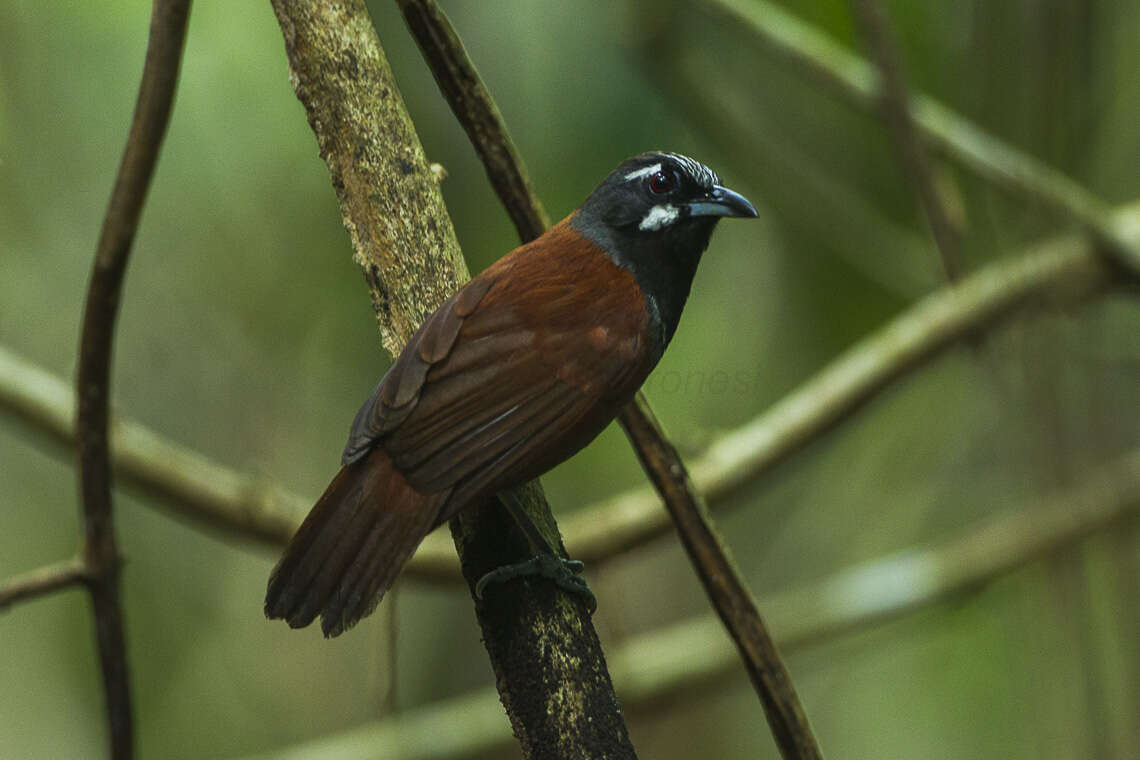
{"x":663,"y":263}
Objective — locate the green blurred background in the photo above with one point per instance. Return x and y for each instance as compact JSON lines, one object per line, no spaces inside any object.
{"x":246,"y":333}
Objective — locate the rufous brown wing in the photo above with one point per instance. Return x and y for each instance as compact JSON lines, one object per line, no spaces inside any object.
{"x":515,"y":373}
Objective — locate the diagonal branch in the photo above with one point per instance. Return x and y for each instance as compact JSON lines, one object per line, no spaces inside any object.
{"x":541,"y":644}
{"x":900,"y":125}
{"x":724,"y":585}
{"x":99,"y":554}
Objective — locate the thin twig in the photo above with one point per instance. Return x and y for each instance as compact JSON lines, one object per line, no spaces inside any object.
{"x":477,"y":113}
{"x":726,"y":589}
{"x":847,"y":75}
{"x":900,"y":125}
{"x":100,"y":554}
{"x":43,"y":581}
{"x":677,"y":660}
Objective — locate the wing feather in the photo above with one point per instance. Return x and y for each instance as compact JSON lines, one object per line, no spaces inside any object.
{"x":481,"y":446}
{"x":509,"y":374}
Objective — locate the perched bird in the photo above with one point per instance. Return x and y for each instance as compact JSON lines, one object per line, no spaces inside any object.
{"x":513,"y":375}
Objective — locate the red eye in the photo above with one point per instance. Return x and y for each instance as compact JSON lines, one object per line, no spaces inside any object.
{"x":661,"y":183}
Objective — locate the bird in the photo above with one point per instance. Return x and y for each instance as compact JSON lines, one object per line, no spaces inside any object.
{"x":515,"y":373}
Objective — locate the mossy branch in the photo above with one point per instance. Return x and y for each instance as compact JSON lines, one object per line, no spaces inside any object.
{"x":545,"y":652}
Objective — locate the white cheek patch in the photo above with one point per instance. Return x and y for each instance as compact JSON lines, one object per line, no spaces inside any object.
{"x":638,"y":174}
{"x":658,"y":217}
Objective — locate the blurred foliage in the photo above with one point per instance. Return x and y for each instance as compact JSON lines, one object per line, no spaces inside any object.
{"x":246,"y":332}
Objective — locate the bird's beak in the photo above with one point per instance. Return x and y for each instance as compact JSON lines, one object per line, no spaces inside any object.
{"x":722,"y":202}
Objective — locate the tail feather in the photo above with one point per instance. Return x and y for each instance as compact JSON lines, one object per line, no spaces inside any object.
{"x":327,"y":572}
{"x":350,"y":593}
{"x":351,"y":547}
{"x":310,"y":547}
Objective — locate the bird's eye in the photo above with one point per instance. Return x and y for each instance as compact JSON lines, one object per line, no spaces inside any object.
{"x":661,"y":183}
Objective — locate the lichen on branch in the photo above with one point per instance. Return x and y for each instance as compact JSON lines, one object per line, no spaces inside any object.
{"x":402,"y":237}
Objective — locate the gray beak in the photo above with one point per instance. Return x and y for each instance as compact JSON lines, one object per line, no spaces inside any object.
{"x":722,"y":202}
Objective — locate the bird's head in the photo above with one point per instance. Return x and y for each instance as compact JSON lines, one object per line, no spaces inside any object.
{"x":660,"y":195}
{"x":653,"y":215}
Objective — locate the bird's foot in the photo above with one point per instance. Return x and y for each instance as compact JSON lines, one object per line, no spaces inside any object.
{"x":562,"y":572}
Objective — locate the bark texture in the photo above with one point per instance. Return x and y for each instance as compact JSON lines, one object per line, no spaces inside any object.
{"x":548,"y":662}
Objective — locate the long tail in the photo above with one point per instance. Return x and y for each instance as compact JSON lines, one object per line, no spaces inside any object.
{"x":351,"y":547}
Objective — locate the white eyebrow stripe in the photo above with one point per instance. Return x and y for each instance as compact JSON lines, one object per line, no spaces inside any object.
{"x":658,"y":217}
{"x":639,"y":173}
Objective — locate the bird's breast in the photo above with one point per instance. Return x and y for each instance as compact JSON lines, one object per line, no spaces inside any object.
{"x":588,"y":316}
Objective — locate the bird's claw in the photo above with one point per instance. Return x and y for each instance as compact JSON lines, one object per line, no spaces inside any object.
{"x":562,"y":572}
